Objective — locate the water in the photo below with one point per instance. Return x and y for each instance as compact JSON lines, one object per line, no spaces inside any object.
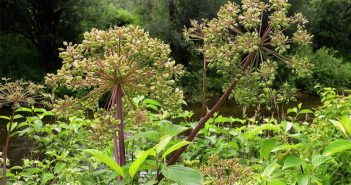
{"x":232,"y":109}
{"x":20,"y":147}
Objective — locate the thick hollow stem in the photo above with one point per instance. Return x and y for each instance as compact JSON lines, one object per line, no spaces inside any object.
{"x":122,"y":153}
{"x":204,"y":119}
{"x":115,"y":141}
{"x":4,"y":154}
{"x":5,"y":150}
{"x":204,"y":111}
{"x":200,"y":125}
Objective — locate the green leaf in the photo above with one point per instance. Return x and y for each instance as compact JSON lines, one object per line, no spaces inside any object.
{"x":222,"y":119}
{"x":293,"y":161}
{"x":48,"y":113}
{"x":266,"y":148}
{"x":134,"y":167}
{"x":319,"y":159}
{"x":46,"y":177}
{"x":16,"y":168}
{"x":137,"y":100}
{"x":175,"y":147}
{"x":18,"y":116}
{"x":287,"y":147}
{"x":151,"y":102}
{"x":59,"y":167}
{"x":306,"y":111}
{"x":339,"y":126}
{"x":346,"y":123}
{"x":182,"y":175}
{"x":163,"y":143}
{"x":153,"y":107}
{"x":152,"y":182}
{"x":5,"y":117}
{"x":268,"y":171}
{"x":37,"y":124}
{"x":302,"y":179}
{"x":261,"y":128}
{"x":276,"y":182}
{"x":39,"y":110}
{"x":102,"y":157}
{"x":152,"y":135}
{"x":24,"y":109}
{"x":294,"y":110}
{"x":168,"y":128}
{"x":337,"y":147}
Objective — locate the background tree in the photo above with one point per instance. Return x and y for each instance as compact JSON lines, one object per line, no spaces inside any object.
{"x":45,"y":24}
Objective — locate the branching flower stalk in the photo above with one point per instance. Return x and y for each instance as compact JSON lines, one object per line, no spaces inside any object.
{"x":122,"y":61}
{"x":245,"y":42}
{"x":16,"y":94}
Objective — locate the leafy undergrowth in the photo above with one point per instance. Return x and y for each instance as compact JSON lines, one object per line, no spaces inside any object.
{"x":268,"y":151}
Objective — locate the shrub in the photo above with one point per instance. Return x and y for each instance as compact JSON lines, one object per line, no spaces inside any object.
{"x":329,"y":70}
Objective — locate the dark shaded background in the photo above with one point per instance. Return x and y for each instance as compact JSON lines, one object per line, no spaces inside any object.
{"x":31,"y":31}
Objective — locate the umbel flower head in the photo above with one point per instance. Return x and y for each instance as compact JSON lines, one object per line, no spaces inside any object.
{"x":127,"y":56}
{"x":19,"y":93}
{"x":249,"y":35}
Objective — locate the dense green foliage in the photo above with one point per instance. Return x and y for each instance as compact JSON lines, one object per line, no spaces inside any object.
{"x":330,"y":70}
{"x":298,"y":149}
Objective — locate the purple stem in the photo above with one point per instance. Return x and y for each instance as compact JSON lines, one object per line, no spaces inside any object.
{"x":122,"y":154}
{"x":115,"y":145}
{"x":204,"y":119}
{"x":5,"y":150}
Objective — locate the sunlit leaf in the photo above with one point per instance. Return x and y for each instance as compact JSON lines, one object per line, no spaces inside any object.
{"x":293,"y":161}
{"x":46,"y":177}
{"x":151,"y":102}
{"x":168,"y":128}
{"x":163,"y":143}
{"x":102,"y":157}
{"x":18,"y":116}
{"x":261,"y":128}
{"x":302,"y":179}
{"x":24,"y":109}
{"x":266,"y":148}
{"x":134,"y":167}
{"x":175,"y":147}
{"x":337,"y":147}
{"x":182,"y":175}
{"x":276,"y":182}
{"x":319,"y":159}
{"x":292,"y":110}
{"x":287,"y":147}
{"x":152,"y":135}
{"x":268,"y":171}
{"x":306,"y":111}
{"x":5,"y":117}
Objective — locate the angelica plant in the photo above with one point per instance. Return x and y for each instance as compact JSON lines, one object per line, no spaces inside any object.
{"x":244,"y":41}
{"x":16,"y":94}
{"x":124,"y":62}
{"x":252,"y":36}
